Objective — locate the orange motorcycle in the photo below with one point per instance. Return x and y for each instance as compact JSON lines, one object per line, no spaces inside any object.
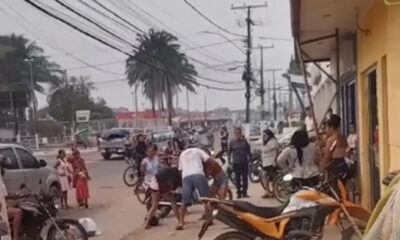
{"x":302,"y":217}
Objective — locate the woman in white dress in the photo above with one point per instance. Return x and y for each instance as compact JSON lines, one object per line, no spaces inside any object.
{"x":64,"y":170}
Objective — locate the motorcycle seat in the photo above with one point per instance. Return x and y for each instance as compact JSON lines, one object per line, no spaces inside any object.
{"x":264,"y":212}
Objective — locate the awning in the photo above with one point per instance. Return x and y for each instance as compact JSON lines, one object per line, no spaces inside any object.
{"x":314,"y":23}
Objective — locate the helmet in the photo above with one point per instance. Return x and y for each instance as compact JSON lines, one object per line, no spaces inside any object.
{"x":90,"y":226}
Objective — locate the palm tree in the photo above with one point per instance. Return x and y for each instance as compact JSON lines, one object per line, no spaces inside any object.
{"x":15,"y":65}
{"x":160,"y":68}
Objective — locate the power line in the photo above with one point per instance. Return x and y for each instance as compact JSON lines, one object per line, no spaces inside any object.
{"x":137,"y":30}
{"x":116,"y":15}
{"x":209,"y":54}
{"x":211,"y":21}
{"x":95,"y":23}
{"x":97,"y":65}
{"x":200,"y":84}
{"x":116,"y":48}
{"x":146,"y":22}
{"x":56,"y":47}
{"x":102,"y":28}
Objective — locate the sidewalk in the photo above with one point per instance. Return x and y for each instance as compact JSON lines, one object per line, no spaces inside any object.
{"x":166,"y":229}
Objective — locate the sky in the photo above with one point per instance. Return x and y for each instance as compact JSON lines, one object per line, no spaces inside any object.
{"x":74,"y":51}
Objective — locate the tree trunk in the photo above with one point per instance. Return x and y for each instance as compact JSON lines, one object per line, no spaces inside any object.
{"x":169,"y":101}
{"x":162,"y":103}
{"x":153,"y":107}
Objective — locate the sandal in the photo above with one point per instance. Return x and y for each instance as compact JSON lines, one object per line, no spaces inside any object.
{"x":179,"y":228}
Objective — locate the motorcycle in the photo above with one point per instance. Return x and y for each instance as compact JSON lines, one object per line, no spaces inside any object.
{"x":40,"y":220}
{"x":302,"y":217}
{"x":255,"y":167}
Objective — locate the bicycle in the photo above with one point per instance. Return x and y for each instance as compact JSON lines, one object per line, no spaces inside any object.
{"x":130,"y":175}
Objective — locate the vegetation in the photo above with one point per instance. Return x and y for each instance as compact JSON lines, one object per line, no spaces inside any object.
{"x":64,"y":97}
{"x":15,"y":65}
{"x":160,"y":68}
{"x":73,"y":95}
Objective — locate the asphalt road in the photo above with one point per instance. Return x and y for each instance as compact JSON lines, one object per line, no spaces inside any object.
{"x":113,"y":205}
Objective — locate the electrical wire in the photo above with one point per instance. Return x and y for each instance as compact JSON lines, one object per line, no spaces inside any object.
{"x":22,"y":20}
{"x":204,"y":52}
{"x":116,"y":15}
{"x":116,"y":48}
{"x":209,"y":45}
{"x":129,"y":27}
{"x":211,"y":21}
{"x":200,"y":84}
{"x":102,"y":28}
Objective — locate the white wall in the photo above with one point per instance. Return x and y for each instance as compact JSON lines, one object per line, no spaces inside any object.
{"x":322,"y":92}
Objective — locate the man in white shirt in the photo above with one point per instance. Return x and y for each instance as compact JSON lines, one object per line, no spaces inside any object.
{"x":191,"y":163}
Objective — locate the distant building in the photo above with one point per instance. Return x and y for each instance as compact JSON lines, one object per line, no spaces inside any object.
{"x":120,"y":110}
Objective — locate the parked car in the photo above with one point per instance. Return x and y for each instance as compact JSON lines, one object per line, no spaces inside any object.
{"x":156,"y":136}
{"x":114,"y":140}
{"x":22,"y":168}
{"x":169,"y":134}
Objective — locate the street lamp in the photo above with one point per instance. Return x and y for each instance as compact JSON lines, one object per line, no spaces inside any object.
{"x":226,"y":38}
{"x":33,"y":101}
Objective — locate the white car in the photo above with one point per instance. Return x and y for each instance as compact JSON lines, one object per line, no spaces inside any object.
{"x":23,"y":169}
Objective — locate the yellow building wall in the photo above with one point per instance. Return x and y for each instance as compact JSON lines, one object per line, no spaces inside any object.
{"x":379,"y":50}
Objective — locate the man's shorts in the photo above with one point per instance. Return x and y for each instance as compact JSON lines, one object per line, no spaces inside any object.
{"x":190,"y":184}
{"x":222,"y":181}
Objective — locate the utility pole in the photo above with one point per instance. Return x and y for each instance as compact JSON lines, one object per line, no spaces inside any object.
{"x":136,"y":107}
{"x":205,"y":110}
{"x":262,"y":88}
{"x":188,"y":109}
{"x":33,"y":103}
{"x":247,"y":75}
{"x":274,"y":89}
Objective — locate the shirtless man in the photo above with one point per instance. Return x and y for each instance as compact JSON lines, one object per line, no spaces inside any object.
{"x":335,"y":149}
{"x":213,"y":170}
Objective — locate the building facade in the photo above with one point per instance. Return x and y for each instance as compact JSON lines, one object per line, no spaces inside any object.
{"x":360,"y":38}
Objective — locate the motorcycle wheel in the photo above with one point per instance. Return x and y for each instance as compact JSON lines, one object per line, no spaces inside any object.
{"x":255,"y":173}
{"x":71,"y":230}
{"x":164,"y":211}
{"x":266,"y":184}
{"x":130,"y":176}
{"x":255,"y":170}
{"x":281,"y":189}
{"x":233,"y":235}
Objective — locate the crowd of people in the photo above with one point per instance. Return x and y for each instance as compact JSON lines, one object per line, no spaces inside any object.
{"x":73,"y":174}
{"x":302,"y":158}
{"x":195,"y":167}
